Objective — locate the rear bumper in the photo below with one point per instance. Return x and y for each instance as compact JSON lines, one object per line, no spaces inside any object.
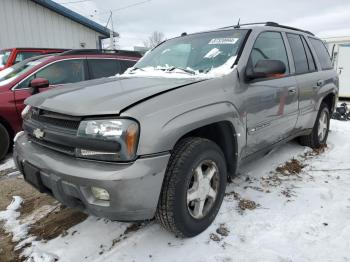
{"x":134,"y":188}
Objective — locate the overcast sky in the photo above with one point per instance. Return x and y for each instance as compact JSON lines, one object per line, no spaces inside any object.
{"x":323,"y":17}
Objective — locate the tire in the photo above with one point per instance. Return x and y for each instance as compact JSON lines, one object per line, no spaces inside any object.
{"x":190,"y":158}
{"x":4,"y":142}
{"x":315,"y":140}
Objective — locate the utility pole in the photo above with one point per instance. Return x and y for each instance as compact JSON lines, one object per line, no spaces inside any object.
{"x":111,"y":44}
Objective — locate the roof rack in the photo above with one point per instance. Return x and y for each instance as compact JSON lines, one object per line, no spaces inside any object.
{"x":100,"y":51}
{"x":273,"y":24}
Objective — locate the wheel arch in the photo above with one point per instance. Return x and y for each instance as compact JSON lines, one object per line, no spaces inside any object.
{"x":224,"y":135}
{"x":330,"y":101}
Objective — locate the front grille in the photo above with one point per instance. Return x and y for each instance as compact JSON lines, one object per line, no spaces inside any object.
{"x":52,"y":123}
{"x":57,"y":120}
{"x":53,"y":146}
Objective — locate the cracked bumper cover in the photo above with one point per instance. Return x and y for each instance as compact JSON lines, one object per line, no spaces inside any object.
{"x":134,"y":188}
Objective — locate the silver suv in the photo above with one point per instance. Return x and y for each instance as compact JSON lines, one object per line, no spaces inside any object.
{"x":162,"y":139}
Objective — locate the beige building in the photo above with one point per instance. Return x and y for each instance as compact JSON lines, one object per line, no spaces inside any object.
{"x":44,"y":23}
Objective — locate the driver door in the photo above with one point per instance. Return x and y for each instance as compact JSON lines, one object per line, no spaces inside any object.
{"x":272,"y":103}
{"x":58,"y":74}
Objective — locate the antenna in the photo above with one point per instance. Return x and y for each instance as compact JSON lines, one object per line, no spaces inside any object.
{"x":239,"y":20}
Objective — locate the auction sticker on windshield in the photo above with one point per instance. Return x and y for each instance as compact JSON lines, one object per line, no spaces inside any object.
{"x":223,"y":41}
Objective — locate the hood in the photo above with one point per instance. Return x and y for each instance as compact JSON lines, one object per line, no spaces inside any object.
{"x":105,"y":96}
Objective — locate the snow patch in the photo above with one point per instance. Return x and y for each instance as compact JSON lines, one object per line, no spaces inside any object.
{"x":164,"y":72}
{"x":9,"y":163}
{"x":213,"y":53}
{"x":12,"y":225}
{"x":42,"y":257}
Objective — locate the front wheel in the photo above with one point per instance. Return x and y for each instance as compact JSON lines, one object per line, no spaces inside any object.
{"x":193,"y":187}
{"x":4,"y":141}
{"x":319,"y":134}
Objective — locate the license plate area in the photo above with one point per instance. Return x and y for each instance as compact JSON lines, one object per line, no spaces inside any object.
{"x":32,"y":176}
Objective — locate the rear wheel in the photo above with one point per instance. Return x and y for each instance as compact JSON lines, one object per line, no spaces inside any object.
{"x":4,"y":141}
{"x":193,"y":187}
{"x":319,"y":134}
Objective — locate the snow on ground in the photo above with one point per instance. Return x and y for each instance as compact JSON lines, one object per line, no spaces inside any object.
{"x":301,"y":217}
{"x":7,"y":164}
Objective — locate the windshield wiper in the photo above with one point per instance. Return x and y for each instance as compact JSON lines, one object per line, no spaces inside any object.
{"x":187,"y":70}
{"x":136,"y":68}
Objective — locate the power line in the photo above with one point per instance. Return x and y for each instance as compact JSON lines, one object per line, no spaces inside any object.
{"x":127,"y":6}
{"x":73,"y":2}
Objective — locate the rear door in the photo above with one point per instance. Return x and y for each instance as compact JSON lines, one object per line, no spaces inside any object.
{"x":58,"y":73}
{"x":272,"y":103}
{"x":306,"y":76}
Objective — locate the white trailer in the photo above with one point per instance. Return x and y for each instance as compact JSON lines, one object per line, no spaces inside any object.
{"x":339,"y":48}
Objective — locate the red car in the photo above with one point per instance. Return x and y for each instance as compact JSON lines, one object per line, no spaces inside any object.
{"x":25,"y":78}
{"x":11,"y":56}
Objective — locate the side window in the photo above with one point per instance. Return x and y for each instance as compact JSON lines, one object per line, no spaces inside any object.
{"x":126,"y":64}
{"x":322,"y":53}
{"x":269,"y":45}
{"x":103,"y":68}
{"x":63,"y":72}
{"x":26,"y":82}
{"x":310,"y":58}
{"x":24,"y":55}
{"x":299,"y":55}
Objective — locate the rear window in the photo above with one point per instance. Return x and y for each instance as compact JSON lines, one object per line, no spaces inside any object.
{"x":4,"y":57}
{"x":322,"y":53}
{"x":103,"y":68}
{"x":126,"y":64}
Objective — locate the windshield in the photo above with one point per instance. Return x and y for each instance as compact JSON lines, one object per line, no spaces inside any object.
{"x":10,"y":73}
{"x":4,"y":57}
{"x":194,"y":54}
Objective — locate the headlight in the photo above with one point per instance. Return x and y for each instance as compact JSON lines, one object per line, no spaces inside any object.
{"x":123,"y":131}
{"x":26,"y":113}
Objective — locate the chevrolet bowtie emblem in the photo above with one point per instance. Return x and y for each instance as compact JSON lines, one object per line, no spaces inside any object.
{"x":38,"y":133}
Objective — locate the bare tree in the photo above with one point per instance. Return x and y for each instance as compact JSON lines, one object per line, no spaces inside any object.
{"x":154,"y":39}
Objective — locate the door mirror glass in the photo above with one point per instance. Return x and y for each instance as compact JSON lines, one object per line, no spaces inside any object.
{"x":38,"y":83}
{"x":266,"y":68}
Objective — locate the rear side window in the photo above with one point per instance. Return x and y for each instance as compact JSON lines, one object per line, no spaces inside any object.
{"x":100,"y":68}
{"x":303,"y":59}
{"x":269,"y":45}
{"x":322,"y":53}
{"x":126,"y":64}
{"x":310,"y":58}
{"x":299,"y":55}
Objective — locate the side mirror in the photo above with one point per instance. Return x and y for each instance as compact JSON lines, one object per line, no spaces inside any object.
{"x":38,"y":83}
{"x":266,"y":68}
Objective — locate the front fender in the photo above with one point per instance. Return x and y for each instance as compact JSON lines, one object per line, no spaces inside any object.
{"x":167,"y":118}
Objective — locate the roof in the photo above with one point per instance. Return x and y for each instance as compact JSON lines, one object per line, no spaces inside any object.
{"x":59,"y":9}
{"x":337,"y":40}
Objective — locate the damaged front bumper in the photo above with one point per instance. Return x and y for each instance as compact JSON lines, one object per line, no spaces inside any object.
{"x":133,"y":188}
